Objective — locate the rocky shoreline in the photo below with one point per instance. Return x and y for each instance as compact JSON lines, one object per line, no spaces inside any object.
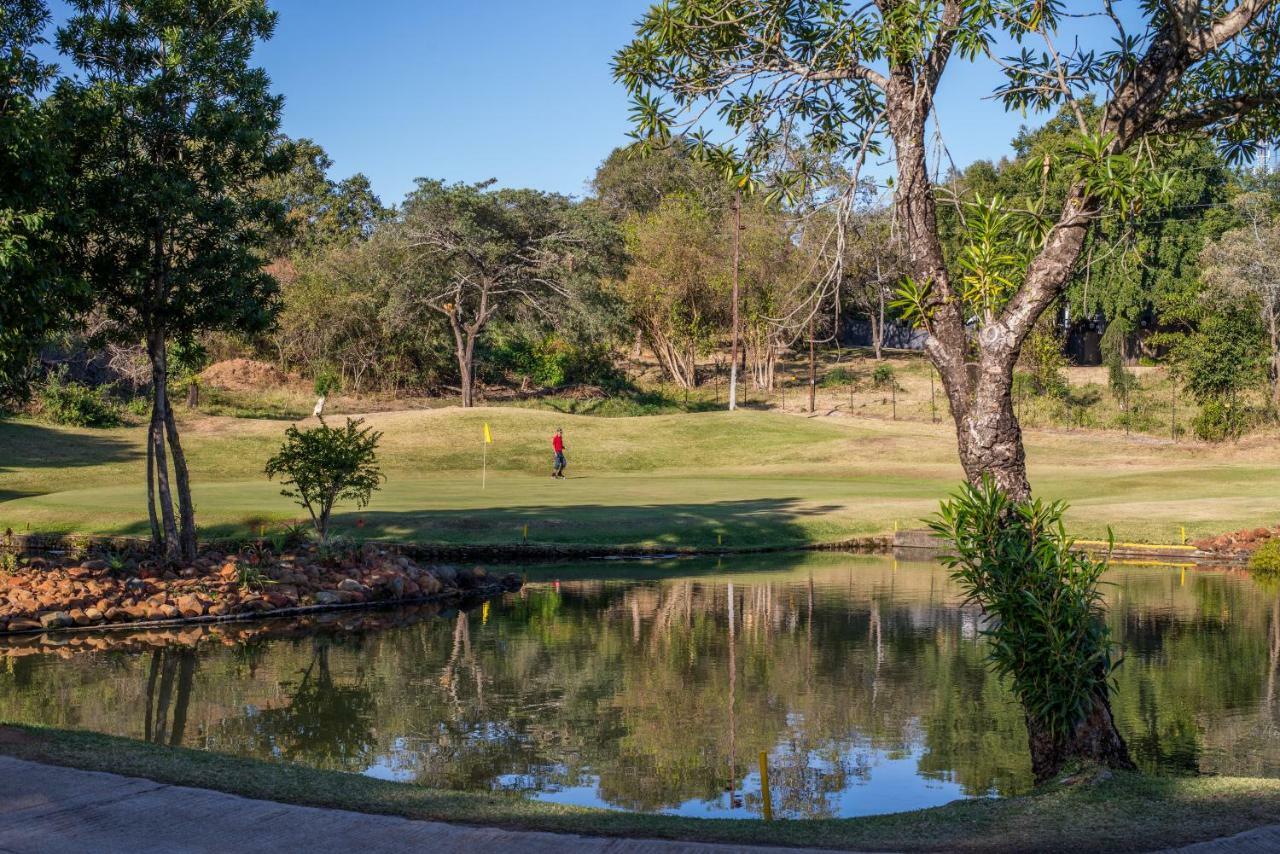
{"x":45,"y":594}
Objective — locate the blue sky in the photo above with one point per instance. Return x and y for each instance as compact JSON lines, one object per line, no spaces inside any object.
{"x":517,"y":90}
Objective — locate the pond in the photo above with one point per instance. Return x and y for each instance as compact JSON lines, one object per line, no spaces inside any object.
{"x":656,"y":686}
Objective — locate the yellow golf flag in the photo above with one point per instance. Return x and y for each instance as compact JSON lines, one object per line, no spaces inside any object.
{"x":488,"y":437}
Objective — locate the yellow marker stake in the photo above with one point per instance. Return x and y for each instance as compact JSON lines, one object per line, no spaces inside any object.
{"x":1182,"y":582}
{"x":526,"y":533}
{"x":1184,"y":535}
{"x":764,"y":786}
{"x":484,"y":614}
{"x":719,"y":539}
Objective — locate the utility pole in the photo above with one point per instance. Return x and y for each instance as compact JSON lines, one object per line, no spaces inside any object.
{"x":737,"y":255}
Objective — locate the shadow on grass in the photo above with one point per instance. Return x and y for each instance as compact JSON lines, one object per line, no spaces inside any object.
{"x":755,"y":523}
{"x":33,"y":446}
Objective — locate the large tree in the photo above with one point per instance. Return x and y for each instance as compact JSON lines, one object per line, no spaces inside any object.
{"x":477,"y":252}
{"x":856,"y":78}
{"x":175,"y":129}
{"x":320,"y":212}
{"x":36,"y":291}
{"x":1244,"y":265}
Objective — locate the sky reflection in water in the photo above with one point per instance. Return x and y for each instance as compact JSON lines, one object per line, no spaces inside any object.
{"x":655,"y":687}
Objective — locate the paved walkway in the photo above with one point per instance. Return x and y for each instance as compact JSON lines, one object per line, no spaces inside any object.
{"x":45,"y":809}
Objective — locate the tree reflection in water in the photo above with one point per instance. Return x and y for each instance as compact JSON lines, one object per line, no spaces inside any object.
{"x":863,"y":680}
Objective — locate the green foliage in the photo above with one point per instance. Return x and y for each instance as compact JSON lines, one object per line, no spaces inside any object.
{"x":37,"y":291}
{"x":1220,"y":362}
{"x":74,"y":404}
{"x":837,"y":377}
{"x":550,"y":360}
{"x":883,"y":376}
{"x":320,"y":212}
{"x":1043,"y":360}
{"x":174,"y":127}
{"x":1218,"y":420}
{"x":1046,"y":630}
{"x":632,"y":181}
{"x":1266,"y":558}
{"x":327,"y":382}
{"x":323,"y":465}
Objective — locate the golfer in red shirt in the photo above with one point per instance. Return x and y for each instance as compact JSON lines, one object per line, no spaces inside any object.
{"x":557,"y":445}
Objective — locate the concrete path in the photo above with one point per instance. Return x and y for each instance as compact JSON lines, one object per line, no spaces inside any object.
{"x":45,"y":809}
{"x":1262,"y":840}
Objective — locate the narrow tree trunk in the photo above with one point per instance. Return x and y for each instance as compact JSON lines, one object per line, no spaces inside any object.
{"x":156,"y":536}
{"x":813,"y":371}
{"x":186,"y":510}
{"x":156,"y":436}
{"x":877,"y":328}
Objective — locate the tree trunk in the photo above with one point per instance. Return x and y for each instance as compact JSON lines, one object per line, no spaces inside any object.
{"x":989,"y":437}
{"x":186,"y":510}
{"x":813,"y":371}
{"x":1096,"y":739}
{"x":877,"y":328}
{"x":170,"y":540}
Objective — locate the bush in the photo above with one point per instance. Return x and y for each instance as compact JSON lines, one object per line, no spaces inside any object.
{"x":1045,"y":613}
{"x":323,"y":465}
{"x":75,"y":404}
{"x":1043,"y":360}
{"x":1218,"y":421}
{"x":883,"y":376}
{"x":838,"y":377}
{"x":1266,"y":558}
{"x":550,"y":361}
{"x":327,"y":382}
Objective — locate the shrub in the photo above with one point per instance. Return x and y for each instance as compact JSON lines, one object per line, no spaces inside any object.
{"x":323,"y":465}
{"x":1045,"y":613}
{"x":1266,"y":558}
{"x":838,"y":376}
{"x":883,"y":376}
{"x":1043,"y":360}
{"x":1218,"y":421}
{"x":550,"y":361}
{"x":75,"y":404}
{"x":327,"y":382}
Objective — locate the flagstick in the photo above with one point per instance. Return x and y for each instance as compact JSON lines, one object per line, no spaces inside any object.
{"x":484,"y":465}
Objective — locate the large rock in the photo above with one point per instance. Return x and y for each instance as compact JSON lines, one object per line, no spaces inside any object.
{"x":23,"y":624}
{"x":327,"y":597}
{"x":56,"y":620}
{"x":189,"y":606}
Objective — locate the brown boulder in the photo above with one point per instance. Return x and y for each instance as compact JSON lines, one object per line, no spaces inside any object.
{"x":23,"y":624}
{"x":190,"y":606}
{"x":55,"y":619}
{"x":80,"y":618}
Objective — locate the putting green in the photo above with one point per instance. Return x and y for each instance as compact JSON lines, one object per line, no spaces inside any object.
{"x":748,"y":479}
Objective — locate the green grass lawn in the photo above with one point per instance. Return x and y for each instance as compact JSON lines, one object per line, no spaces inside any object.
{"x":751,"y":478}
{"x":1127,"y":812}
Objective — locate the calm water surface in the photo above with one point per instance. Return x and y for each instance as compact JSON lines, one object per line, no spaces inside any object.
{"x":654,"y":687}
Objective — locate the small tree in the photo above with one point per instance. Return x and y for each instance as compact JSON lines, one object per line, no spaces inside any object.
{"x":1045,"y":619}
{"x":323,"y":465}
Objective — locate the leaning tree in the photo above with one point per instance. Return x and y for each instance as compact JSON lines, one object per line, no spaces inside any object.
{"x":173,"y":132}
{"x":857,"y":78}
